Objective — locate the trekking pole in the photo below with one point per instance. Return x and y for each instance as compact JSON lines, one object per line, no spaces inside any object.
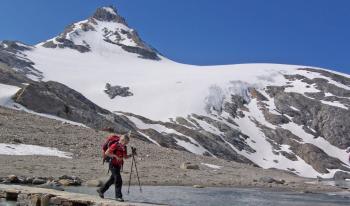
{"x":132,"y":164}
{"x":137,"y":173}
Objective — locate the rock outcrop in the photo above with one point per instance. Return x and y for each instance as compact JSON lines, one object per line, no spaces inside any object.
{"x":70,"y":37}
{"x":59,"y":100}
{"x":11,"y":54}
{"x":113,"y":91}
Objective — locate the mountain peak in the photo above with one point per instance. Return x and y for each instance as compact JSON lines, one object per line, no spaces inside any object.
{"x":104,"y":30}
{"x":108,"y":14}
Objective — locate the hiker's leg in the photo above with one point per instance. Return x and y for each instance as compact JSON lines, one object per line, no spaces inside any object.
{"x":118,"y":183}
{"x":110,"y":181}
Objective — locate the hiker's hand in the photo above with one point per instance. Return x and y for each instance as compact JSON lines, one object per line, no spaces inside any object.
{"x":118,"y":158}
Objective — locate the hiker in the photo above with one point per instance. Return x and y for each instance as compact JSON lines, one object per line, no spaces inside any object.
{"x":115,"y":152}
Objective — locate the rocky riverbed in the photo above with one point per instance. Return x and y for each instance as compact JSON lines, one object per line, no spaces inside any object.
{"x":156,"y":165}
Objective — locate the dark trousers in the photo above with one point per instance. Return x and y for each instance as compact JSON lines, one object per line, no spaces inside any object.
{"x":115,"y":179}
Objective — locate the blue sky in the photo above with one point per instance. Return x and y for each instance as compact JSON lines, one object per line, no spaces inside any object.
{"x":206,"y":32}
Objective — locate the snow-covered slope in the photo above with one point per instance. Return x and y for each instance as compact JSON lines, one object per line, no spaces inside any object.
{"x":224,"y":110}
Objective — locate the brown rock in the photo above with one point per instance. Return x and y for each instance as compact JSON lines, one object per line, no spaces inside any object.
{"x":189,"y":166}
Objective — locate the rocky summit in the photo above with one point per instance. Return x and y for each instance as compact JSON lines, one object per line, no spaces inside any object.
{"x":99,"y":72}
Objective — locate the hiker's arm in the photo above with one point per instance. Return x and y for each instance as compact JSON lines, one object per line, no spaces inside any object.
{"x":110,"y":154}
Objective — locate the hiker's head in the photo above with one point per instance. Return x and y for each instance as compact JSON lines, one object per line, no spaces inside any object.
{"x":124,"y":139}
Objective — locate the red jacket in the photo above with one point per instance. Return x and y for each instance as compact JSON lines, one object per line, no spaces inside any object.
{"x":119,"y":150}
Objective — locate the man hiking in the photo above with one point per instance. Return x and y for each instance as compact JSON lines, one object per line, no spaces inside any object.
{"x":116,"y":152}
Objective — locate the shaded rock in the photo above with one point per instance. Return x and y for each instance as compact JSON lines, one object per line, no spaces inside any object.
{"x":13,"y":179}
{"x":114,"y":91}
{"x":143,"y":52}
{"x":55,"y":185}
{"x":340,"y":175}
{"x":66,"y":43}
{"x":336,"y":77}
{"x":237,"y":102}
{"x":189,"y":166}
{"x":28,"y":180}
{"x":66,"y":180}
{"x":275,"y":119}
{"x":11,"y":55}
{"x":271,"y":180}
{"x":184,"y":122}
{"x":11,"y":77}
{"x":257,"y":95}
{"x":59,"y":100}
{"x":317,"y":158}
{"x":108,"y":14}
{"x":331,"y":122}
{"x":38,"y":181}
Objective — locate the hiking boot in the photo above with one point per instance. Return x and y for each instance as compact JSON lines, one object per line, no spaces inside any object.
{"x":119,"y":199}
{"x":100,"y":193}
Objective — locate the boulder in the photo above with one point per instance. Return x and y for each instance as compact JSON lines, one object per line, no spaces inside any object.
{"x":113,"y":91}
{"x":70,"y":182}
{"x":28,"y":180}
{"x":12,"y":179}
{"x":189,"y":166}
{"x":340,"y":175}
{"x":55,"y":185}
{"x":38,"y":181}
{"x":198,"y":186}
{"x":267,"y":179}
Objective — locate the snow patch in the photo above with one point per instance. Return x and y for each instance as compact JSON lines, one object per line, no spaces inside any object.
{"x":110,"y":10}
{"x":217,"y":167}
{"x":192,"y":145}
{"x":6,"y":92}
{"x":25,"y":149}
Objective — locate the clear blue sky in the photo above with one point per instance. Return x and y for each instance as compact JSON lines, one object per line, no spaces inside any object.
{"x":206,"y":32}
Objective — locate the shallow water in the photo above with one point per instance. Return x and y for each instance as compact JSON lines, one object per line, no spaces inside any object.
{"x":183,"y":196}
{"x":7,"y":203}
{"x":339,"y":183}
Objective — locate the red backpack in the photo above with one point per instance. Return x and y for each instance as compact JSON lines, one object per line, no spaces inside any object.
{"x":109,"y":141}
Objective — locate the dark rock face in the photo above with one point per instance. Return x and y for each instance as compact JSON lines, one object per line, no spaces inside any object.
{"x":143,"y":52}
{"x":11,"y":55}
{"x":14,"y":46}
{"x":114,"y":91}
{"x":10,"y":77}
{"x":341,"y":175}
{"x":235,"y":107}
{"x":333,"y":123}
{"x":317,"y":158}
{"x":108,"y":14}
{"x":59,"y":100}
{"x":66,"y":43}
{"x":211,"y":142}
{"x":336,"y":77}
{"x":271,"y":180}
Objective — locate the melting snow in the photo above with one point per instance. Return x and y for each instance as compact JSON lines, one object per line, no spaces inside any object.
{"x":6,"y":92}
{"x":212,"y":166}
{"x":24,"y":149}
{"x":192,"y":146}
